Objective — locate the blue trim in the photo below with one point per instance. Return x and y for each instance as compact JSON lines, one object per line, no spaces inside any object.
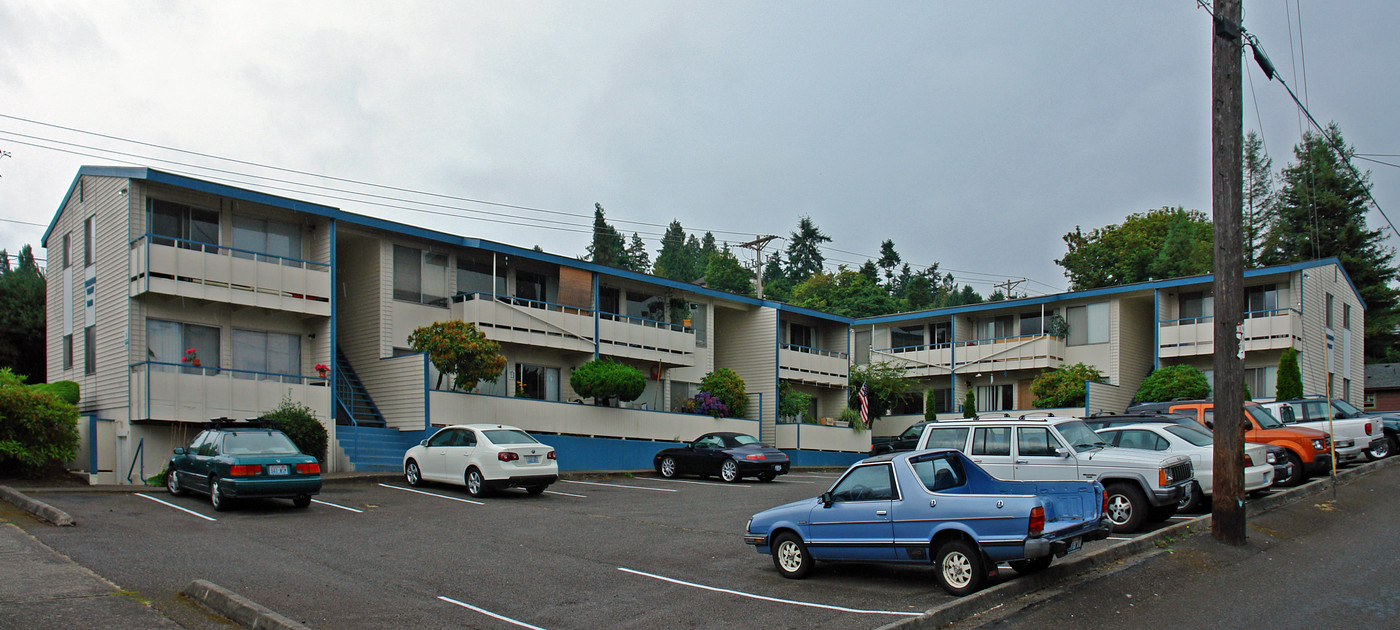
{"x":777,"y":379}
{"x":800,"y":457}
{"x":92,"y":444}
{"x":334,"y":228}
{"x":427,"y":399}
{"x":1156,"y":333}
{"x":596,"y":332}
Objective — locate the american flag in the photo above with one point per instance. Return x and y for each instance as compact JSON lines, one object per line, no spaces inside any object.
{"x":864,"y":405}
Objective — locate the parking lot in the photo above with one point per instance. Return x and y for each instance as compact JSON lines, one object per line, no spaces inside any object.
{"x":626,"y":551}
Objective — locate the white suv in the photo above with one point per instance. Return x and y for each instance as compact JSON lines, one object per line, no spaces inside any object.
{"x":1142,"y":486}
{"x":1353,"y":434}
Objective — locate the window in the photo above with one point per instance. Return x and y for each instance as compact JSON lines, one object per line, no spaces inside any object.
{"x":991,"y":441}
{"x":1032,"y":323}
{"x":994,"y":398}
{"x":1260,"y":301}
{"x":530,"y":286}
{"x":195,"y":227}
{"x":861,"y":347}
{"x":420,"y":276}
{"x":1035,"y":441}
{"x":955,"y":438}
{"x":1368,"y":400}
{"x":866,"y":483}
{"x":535,"y":381}
{"x":1346,"y":316}
{"x":907,"y":337}
{"x":800,"y":335}
{"x":1197,"y":305}
{"x":89,"y":241}
{"x":90,"y":350}
{"x":169,"y":343}
{"x":942,"y":399}
{"x":269,"y":353}
{"x":1329,"y":310}
{"x":1346,"y":389}
{"x":264,"y":236}
{"x":699,"y":320}
{"x":68,"y":352}
{"x":994,"y":327}
{"x":67,"y":250}
{"x":1142,"y":440}
{"x":1087,"y":324}
{"x":941,"y":333}
{"x":475,"y":277}
{"x":609,"y":300}
{"x":907,"y":404}
{"x":939,"y":474}
{"x":682,"y":391}
{"x":1262,"y":381}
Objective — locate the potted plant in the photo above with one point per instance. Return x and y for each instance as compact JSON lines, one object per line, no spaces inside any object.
{"x":322,"y":369}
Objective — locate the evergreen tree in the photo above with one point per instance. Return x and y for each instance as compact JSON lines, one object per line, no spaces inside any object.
{"x":608,"y":247}
{"x":22,"y":320}
{"x":674,"y":261}
{"x":918,"y":295}
{"x":637,"y":258}
{"x":1258,"y":198}
{"x":889,"y":259}
{"x":804,"y":255}
{"x":1320,"y":212}
{"x":1290,"y":378}
{"x":870,"y":272}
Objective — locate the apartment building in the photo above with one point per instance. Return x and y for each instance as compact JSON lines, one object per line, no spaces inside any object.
{"x":174,"y":300}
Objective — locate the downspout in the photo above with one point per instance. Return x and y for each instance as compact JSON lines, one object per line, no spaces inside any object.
{"x":335,"y":399}
{"x":1156,"y":329}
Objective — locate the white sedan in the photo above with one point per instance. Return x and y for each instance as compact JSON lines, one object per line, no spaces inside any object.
{"x":1198,"y":444}
{"x":483,"y":457}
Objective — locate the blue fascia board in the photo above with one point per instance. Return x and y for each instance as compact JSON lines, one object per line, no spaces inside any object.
{"x":784,"y":307}
{"x":128,"y":172}
{"x":1102,"y":291}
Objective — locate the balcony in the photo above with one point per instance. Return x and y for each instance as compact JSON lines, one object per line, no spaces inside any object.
{"x":172,"y":391}
{"x":531,"y":322}
{"x":1263,"y":330}
{"x":814,"y":366}
{"x":922,"y":360}
{"x":180,"y":268}
{"x":1022,"y":352}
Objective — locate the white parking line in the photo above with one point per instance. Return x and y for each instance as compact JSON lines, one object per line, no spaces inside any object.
{"x":701,"y":483}
{"x":348,"y":509}
{"x":581,"y":496}
{"x":1182,"y":518}
{"x":431,"y":494}
{"x":489,"y":613}
{"x":1118,"y":538}
{"x":771,"y":599}
{"x":815,"y":476}
{"x":147,"y":496}
{"x":617,"y":485}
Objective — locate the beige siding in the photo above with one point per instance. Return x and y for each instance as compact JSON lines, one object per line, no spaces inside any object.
{"x":1312,"y":360}
{"x":397,"y":386}
{"x":107,"y":390}
{"x":746,"y":342}
{"x":359,"y":298}
{"x":1135,"y":346}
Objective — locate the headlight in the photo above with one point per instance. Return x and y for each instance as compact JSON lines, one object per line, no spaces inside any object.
{"x":1319,"y":445}
{"x":1271,"y":457}
{"x":748,"y":527}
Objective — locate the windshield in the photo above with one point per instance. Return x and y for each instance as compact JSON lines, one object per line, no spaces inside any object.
{"x":913,"y":432}
{"x":1080,"y":437}
{"x":1347,"y":408}
{"x":509,"y":436}
{"x":259,"y":442}
{"x":1198,"y":437}
{"x":1261,"y":415}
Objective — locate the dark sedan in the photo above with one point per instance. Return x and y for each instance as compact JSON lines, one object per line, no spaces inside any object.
{"x":732,"y":456}
{"x":235,"y":461}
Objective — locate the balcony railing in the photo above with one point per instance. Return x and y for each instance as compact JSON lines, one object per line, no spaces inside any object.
{"x":181,"y":392}
{"x":535,"y":322}
{"x":1269,"y":329}
{"x":815,"y":366}
{"x":810,"y":350}
{"x":209,"y":271}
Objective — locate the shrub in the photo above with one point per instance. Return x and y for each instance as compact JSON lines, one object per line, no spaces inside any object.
{"x":852,"y":417}
{"x":458,"y":348}
{"x":705,"y":404}
{"x":37,"y":429}
{"x":726,"y":385}
{"x":1173,"y":382}
{"x":603,"y":379}
{"x":792,"y":403}
{"x":300,"y":424}
{"x":930,"y":406}
{"x":1290,"y":379}
{"x":884,"y":383}
{"x":67,"y":391}
{"x":1063,"y":386}
{"x":970,"y":404}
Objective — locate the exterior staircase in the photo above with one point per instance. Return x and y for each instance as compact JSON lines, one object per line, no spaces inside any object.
{"x":353,"y":403}
{"x":376,"y":448}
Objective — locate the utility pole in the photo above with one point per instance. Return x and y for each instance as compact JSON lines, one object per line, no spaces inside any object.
{"x":757,"y":246}
{"x":1227,"y":509}
{"x":1009,"y":285}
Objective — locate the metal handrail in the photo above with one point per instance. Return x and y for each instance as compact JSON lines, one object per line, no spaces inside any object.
{"x":139,"y":453}
{"x":811,"y":350}
{"x":217,"y":249}
{"x":1206,"y":319}
{"x":642,"y":321}
{"x":525,"y":302}
{"x":205,"y":371}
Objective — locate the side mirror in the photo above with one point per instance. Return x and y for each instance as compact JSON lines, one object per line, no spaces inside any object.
{"x":1062,"y":451}
{"x":1210,"y":425}
{"x":826,"y":499}
{"x":179,"y":450}
{"x":422,"y":442}
{"x":689,"y":447}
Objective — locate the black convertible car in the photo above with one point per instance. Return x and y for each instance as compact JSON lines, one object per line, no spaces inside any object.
{"x":732,"y":456}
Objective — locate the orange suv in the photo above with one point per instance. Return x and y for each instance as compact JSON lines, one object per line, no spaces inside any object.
{"x":1309,"y":450}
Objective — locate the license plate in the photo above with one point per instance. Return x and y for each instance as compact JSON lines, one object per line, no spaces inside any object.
{"x":533,"y":459}
{"x":277,"y":469}
{"x":777,"y":466}
{"x":1074,"y":544}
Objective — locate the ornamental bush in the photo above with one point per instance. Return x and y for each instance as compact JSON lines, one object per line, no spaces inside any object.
{"x":38,"y":430}
{"x":726,"y":385}
{"x":1173,"y":382}
{"x":792,"y":403}
{"x":705,"y":404}
{"x":67,"y":391}
{"x":299,"y":422}
{"x":603,"y":379}
{"x":458,"y":348}
{"x":970,"y":404}
{"x":1063,"y":386}
{"x":1290,"y":378}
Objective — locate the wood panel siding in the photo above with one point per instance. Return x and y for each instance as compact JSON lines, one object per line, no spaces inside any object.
{"x":360,"y":298}
{"x":1135,"y":342}
{"x":746,"y":342}
{"x":575,"y":287}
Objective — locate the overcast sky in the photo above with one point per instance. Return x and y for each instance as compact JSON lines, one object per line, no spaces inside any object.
{"x":973,"y":134}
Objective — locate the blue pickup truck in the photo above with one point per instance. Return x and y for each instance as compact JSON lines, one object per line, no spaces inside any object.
{"x":934,"y":507}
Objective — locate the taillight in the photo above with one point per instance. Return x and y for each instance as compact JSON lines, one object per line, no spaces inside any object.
{"x":1037,"y":521}
{"x":1105,"y":503}
{"x":309,"y":469}
{"x":1368,"y":429}
{"x":551,"y":455}
{"x":243,"y":470}
{"x":507,"y":456}
{"x":1248,"y":461}
{"x":754,"y":456}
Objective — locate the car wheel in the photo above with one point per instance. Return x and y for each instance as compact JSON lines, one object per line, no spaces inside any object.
{"x":668,"y":467}
{"x":1127,"y":507}
{"x":1025,"y":567}
{"x":301,"y":500}
{"x":172,"y":482}
{"x":729,"y":471}
{"x":476,"y":484}
{"x":1381,"y":451}
{"x":960,"y":570}
{"x":1298,"y":475}
{"x":413,"y":473}
{"x":767,"y":477}
{"x":535,"y":489}
{"x":216,"y":495}
{"x":790,"y":556}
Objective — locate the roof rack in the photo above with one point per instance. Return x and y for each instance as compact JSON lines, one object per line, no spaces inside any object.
{"x":1037,"y":415}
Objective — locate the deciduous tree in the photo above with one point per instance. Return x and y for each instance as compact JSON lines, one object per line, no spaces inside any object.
{"x":456,"y":347}
{"x":1126,"y":253}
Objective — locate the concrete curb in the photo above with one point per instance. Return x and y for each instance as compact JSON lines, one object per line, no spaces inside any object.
{"x":37,"y":508}
{"x":982,"y":601}
{"x":241,"y":610}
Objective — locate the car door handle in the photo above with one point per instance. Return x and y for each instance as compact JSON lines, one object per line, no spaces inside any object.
{"x":1023,"y":461}
{"x":880,"y":513}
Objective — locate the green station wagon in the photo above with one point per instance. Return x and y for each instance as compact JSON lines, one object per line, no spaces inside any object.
{"x":243,"y":460}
